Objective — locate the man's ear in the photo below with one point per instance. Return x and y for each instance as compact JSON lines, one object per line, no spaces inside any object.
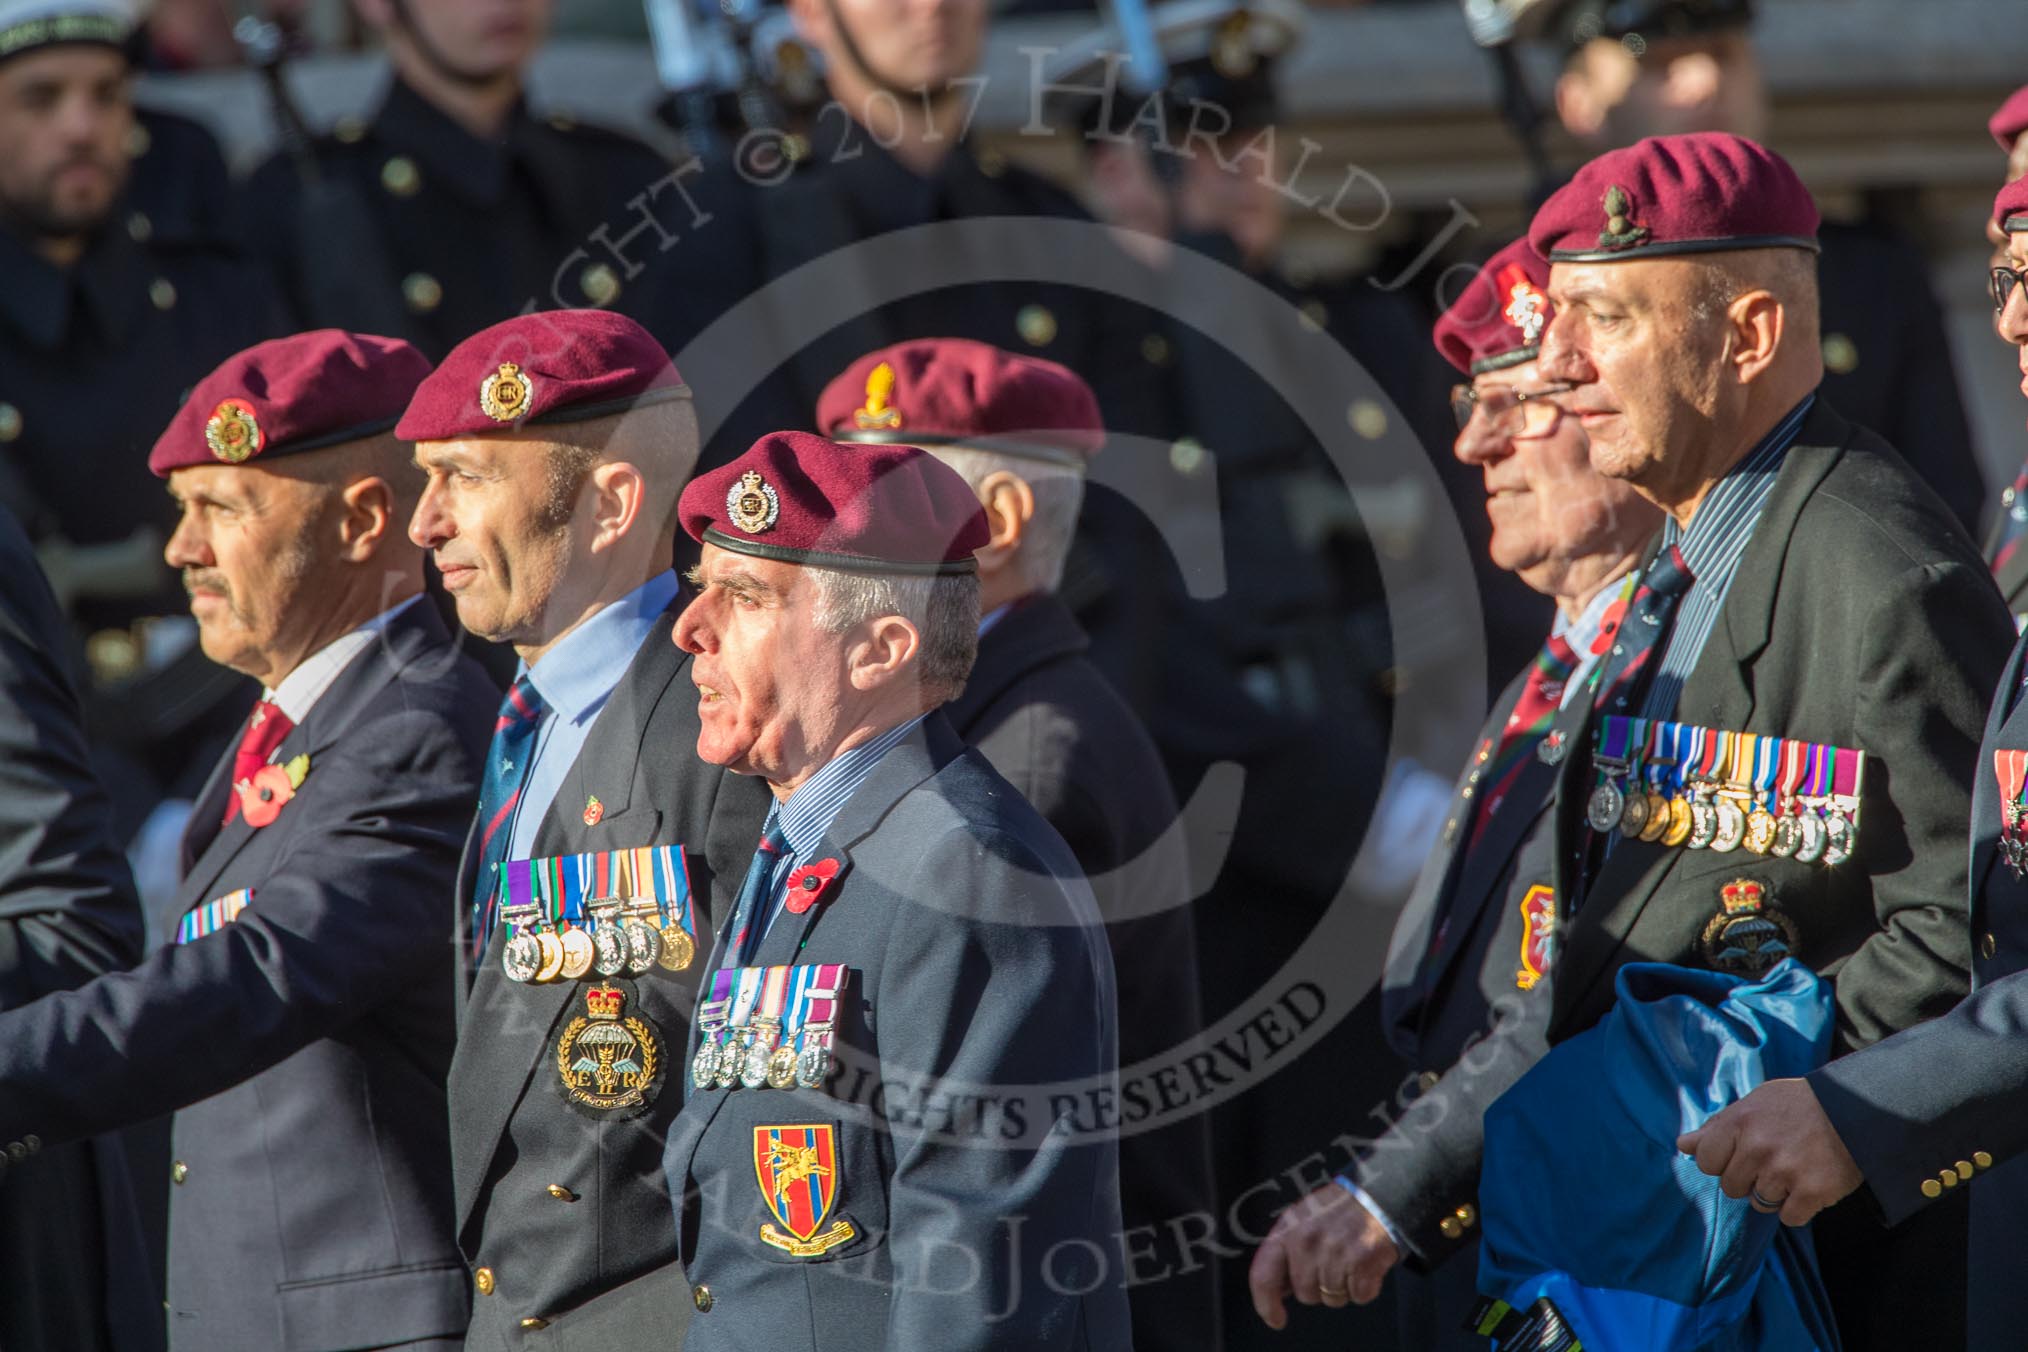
{"x":1010,"y":505}
{"x":618,"y":493}
{"x":366,"y":517}
{"x":886,"y":654}
{"x":1758,"y":322}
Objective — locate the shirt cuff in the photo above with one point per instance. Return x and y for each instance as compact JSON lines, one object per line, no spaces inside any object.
{"x":1373,"y":1210}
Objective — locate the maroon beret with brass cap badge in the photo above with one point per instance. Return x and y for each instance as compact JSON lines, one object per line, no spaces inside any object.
{"x":953,"y":391}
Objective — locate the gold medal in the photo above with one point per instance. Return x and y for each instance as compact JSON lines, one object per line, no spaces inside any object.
{"x":577,"y":952}
{"x":782,"y":1068}
{"x":552,"y":956}
{"x":1679,"y":823}
{"x":678,"y":949}
{"x":1760,"y":830}
{"x":1658,"y":817}
{"x":1634,"y":814}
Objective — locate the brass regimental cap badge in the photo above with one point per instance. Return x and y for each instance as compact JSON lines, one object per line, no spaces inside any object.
{"x":504,"y":395}
{"x":751,"y":504}
{"x":1232,"y":50}
{"x":233,"y":433}
{"x":877,"y":412}
{"x":1620,"y":231}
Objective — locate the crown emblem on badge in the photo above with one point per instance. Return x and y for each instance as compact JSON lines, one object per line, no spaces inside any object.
{"x":751,"y":503}
{"x":1743,"y":895}
{"x":877,"y":412}
{"x":1620,"y":231}
{"x":233,"y":433}
{"x":504,"y":395}
{"x":604,"y":1002}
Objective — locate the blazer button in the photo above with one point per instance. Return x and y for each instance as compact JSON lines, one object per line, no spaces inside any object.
{"x":1949,"y":1177}
{"x":1450,"y":1228}
{"x":1467,"y":1215}
{"x":33,"y":1142}
{"x":1982,"y":1159}
{"x":483,"y":1280}
{"x":1964,"y":1168}
{"x":561,"y":1193}
{"x":178,"y":1172}
{"x":534,"y":1322}
{"x":1931,"y":1188}
{"x":702,"y":1299}
{"x":16,"y":1152}
{"x":1988,"y":945}
{"x":1427,"y":1081}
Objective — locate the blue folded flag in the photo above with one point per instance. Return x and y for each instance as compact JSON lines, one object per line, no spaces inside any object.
{"x":1589,"y":1206}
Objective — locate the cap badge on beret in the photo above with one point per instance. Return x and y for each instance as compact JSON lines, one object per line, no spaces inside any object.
{"x":504,"y":395}
{"x":751,"y":504}
{"x":876,"y":412}
{"x":1527,"y":308}
{"x":233,"y":433}
{"x":1232,"y":50}
{"x":1620,"y":231}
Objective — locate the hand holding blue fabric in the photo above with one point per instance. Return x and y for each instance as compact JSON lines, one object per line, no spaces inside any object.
{"x":1776,"y":1148}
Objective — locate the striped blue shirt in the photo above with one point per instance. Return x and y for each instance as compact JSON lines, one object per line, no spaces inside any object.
{"x":1717,"y":536}
{"x":807,"y":813}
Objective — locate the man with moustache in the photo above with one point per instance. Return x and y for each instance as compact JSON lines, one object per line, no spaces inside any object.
{"x":1466,"y":990}
{"x":1808,"y":602}
{"x":87,"y":307}
{"x":298,"y":1018}
{"x":1021,"y":431}
{"x":882,"y":1143}
{"x":1933,"y":1108}
{"x":2008,"y":530}
{"x":554,"y":446}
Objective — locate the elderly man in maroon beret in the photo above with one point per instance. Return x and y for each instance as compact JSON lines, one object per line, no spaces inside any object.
{"x":297,"y":1018}
{"x":554,"y":446}
{"x":900,"y":1129}
{"x":1466,"y":990}
{"x":1777,"y":755}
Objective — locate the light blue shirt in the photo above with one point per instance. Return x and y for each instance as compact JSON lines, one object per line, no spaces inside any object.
{"x":806,"y":814}
{"x":575,"y":678}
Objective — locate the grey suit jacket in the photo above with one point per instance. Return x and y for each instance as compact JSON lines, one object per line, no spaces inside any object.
{"x":1861,"y":616}
{"x":1045,"y":719}
{"x":304,"y":1045}
{"x":977,"y":1024}
{"x":1944,"y":1104}
{"x":567,"y":1213}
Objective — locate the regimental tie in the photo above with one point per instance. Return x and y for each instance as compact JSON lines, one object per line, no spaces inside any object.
{"x":266,"y":728}
{"x":1534,"y":713}
{"x":749,"y":915}
{"x":2012,"y":527}
{"x":1630,"y":663}
{"x":507,"y":764}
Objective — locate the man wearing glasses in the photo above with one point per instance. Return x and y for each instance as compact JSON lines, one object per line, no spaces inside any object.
{"x":1463,"y":994}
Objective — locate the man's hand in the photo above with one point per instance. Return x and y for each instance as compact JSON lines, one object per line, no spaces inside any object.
{"x":1776,"y":1148}
{"x":1326,"y":1249}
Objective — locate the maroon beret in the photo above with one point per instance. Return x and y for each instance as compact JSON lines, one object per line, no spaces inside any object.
{"x":799,"y":498}
{"x":1498,"y":321}
{"x":291,"y":394}
{"x":2011,"y":120}
{"x":944,"y":391}
{"x":1676,"y":195}
{"x":553,"y":366}
{"x":2010,"y":208}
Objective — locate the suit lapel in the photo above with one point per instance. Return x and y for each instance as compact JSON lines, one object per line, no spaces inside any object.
{"x":495,"y":1062}
{"x":405,"y":640}
{"x":2005,"y":727}
{"x":2013,"y":579}
{"x":1718,"y":693}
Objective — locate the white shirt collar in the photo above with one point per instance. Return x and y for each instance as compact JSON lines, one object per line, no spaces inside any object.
{"x":301,"y":688}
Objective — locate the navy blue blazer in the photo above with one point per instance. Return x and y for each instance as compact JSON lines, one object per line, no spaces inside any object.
{"x":1945,"y":1103}
{"x":977,"y":1024}
{"x":303,"y":1047}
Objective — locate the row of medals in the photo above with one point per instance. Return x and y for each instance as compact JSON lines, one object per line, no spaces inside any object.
{"x":762,"y":1061}
{"x":626,"y":938}
{"x":1713,"y":816}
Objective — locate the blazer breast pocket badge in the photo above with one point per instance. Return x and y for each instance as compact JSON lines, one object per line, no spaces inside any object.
{"x":797,"y":1169}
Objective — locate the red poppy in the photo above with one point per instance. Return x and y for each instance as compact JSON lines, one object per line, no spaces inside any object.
{"x":261,"y":798}
{"x":809,"y":883}
{"x":1609,"y":628}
